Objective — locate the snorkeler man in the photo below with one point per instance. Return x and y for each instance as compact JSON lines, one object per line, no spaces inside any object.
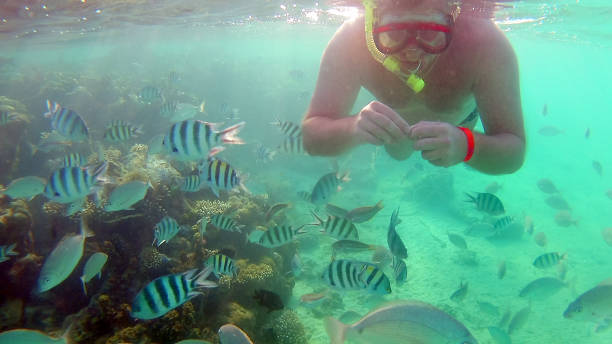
{"x":434,"y":67}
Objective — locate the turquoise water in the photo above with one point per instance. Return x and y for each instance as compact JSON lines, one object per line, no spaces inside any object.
{"x":266,"y":66}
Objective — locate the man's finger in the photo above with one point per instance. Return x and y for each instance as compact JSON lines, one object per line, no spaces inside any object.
{"x":427,"y":144}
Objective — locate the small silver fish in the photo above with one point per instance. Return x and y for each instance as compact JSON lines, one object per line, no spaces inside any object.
{"x":547,"y":186}
{"x":93,"y":267}
{"x":557,"y":202}
{"x":412,"y":322}
{"x":460,"y":293}
{"x":60,"y":263}
{"x":519,"y":320}
{"x":594,"y":305}
{"x":542,"y":288}
{"x":25,"y":187}
{"x":457,"y":240}
{"x":125,"y":196}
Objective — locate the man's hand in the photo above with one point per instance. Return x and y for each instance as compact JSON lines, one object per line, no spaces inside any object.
{"x":442,"y":144}
{"x":378,"y":124}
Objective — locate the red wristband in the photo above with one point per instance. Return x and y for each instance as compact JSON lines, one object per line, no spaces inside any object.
{"x":470,"y":143}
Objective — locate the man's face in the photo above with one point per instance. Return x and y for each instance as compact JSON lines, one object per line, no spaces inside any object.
{"x":417,"y":27}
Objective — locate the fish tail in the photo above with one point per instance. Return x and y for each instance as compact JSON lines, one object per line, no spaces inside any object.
{"x":395,"y":218}
{"x":471,"y":198}
{"x":84,"y":286}
{"x":379,"y":205}
{"x":9,"y":250}
{"x":229,"y":135}
{"x":319,"y":220}
{"x":336,"y":330}
{"x":200,"y":281}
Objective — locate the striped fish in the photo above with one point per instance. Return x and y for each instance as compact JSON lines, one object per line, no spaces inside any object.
{"x":165,"y":230}
{"x":396,"y":245}
{"x":375,"y":280}
{"x":219,"y":174}
{"x":74,"y":160}
{"x":67,"y":122}
{"x":150,"y":94}
{"x":194,"y":140}
{"x":326,"y":186}
{"x":400,"y":271}
{"x":222,"y":265}
{"x":338,"y":227}
{"x":264,"y":154}
{"x":168,"y":108}
{"x":168,"y":292}
{"x":6,"y":117}
{"x":305,"y":195}
{"x":191,"y":183}
{"x":225,"y":223}
{"x":292,"y":145}
{"x":118,"y":131}
{"x":344,"y":274}
{"x":71,"y":184}
{"x":487,"y":202}
{"x":290,"y":129}
{"x":278,"y":236}
{"x":548,"y":259}
{"x":503,"y":222}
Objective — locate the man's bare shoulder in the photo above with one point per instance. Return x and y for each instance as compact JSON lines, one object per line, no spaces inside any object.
{"x":483,"y":35}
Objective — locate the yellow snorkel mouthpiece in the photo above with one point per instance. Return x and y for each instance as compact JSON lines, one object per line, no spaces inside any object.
{"x":390,"y":63}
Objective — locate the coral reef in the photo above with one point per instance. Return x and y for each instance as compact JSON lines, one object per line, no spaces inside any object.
{"x":285,"y":327}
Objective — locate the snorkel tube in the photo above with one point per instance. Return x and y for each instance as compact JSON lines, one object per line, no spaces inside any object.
{"x":391,"y":63}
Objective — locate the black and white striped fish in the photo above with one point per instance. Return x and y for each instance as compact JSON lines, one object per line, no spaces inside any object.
{"x":219,"y":174}
{"x":288,"y":128}
{"x":503,"y":222}
{"x":74,"y":160}
{"x":150,"y":94}
{"x":327,"y":186}
{"x":338,"y":227}
{"x":264,"y":154}
{"x":168,"y":108}
{"x":66,"y":122}
{"x":547,"y":260}
{"x":118,"y":131}
{"x":165,"y":230}
{"x":344,"y":274}
{"x":168,"y":292}
{"x":396,"y":245}
{"x":278,"y":236}
{"x":487,"y":202}
{"x":71,"y":184}
{"x":194,"y":140}
{"x":222,"y":265}
{"x":6,"y":117}
{"x":292,"y":145}
{"x":400,"y":271}
{"x":375,"y":280}
{"x":225,"y":223}
{"x":191,"y":183}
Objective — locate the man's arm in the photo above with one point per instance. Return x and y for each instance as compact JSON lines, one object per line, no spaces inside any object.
{"x":327,"y":127}
{"x":502,"y":148}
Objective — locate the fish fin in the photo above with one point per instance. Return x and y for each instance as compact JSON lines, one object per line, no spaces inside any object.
{"x":229,"y":134}
{"x":214,"y":189}
{"x":49,"y":112}
{"x":380,"y":204}
{"x":84,"y":286}
{"x":86,"y":232}
{"x":603,"y":325}
{"x":214,"y":151}
{"x":471,"y":198}
{"x":336,"y":330}
{"x":75,"y":207}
